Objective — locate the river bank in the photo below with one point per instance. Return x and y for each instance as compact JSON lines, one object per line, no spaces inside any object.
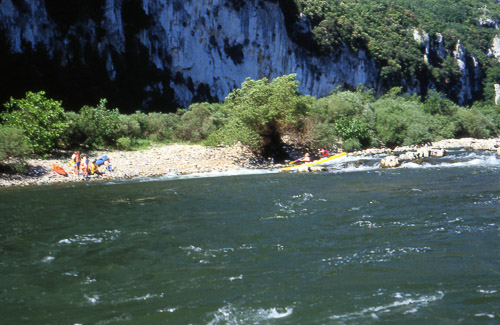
{"x":182,"y":159}
{"x":158,"y":160}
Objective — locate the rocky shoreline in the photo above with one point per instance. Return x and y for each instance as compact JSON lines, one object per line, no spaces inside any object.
{"x":159,"y":160}
{"x":182,"y":159}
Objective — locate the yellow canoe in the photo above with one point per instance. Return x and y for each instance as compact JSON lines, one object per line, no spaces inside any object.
{"x":317,"y":162}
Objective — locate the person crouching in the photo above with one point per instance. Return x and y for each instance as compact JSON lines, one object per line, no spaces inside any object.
{"x":94,"y":169}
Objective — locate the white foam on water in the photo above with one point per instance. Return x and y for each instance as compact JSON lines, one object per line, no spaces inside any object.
{"x":485,"y":315}
{"x":471,"y":160}
{"x":147,"y":297}
{"x":88,"y":280}
{"x":48,"y":259}
{"x":377,"y":255}
{"x":166,"y":310}
{"x":366,"y":224}
{"x":81,"y":240}
{"x":402,"y":224}
{"x":94,"y":299}
{"x":351,"y":169}
{"x":232,"y":172}
{"x":207,"y":255}
{"x":455,"y":226}
{"x":292,"y":207}
{"x":75,"y":274}
{"x":476,"y":161}
{"x":405,"y":303}
{"x":239,"y":277}
{"x":487,"y":291}
{"x":230,"y":314}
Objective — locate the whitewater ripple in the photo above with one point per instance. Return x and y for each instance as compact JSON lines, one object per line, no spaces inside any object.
{"x":230,"y":314}
{"x":405,"y":303}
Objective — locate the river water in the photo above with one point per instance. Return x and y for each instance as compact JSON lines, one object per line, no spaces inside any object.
{"x":418,"y":244}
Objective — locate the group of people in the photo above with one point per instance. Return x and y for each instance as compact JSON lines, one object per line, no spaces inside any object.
{"x":307,"y":159}
{"x":81,"y":162}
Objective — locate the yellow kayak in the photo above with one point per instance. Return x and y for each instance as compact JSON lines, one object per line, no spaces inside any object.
{"x":317,"y":162}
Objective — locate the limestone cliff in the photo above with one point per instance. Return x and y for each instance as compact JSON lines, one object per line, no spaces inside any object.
{"x":161,"y":54}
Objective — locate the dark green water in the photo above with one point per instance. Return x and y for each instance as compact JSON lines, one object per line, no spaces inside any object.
{"x":415,"y":245}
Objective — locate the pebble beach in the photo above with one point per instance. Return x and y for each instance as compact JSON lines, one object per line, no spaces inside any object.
{"x":183,"y":159}
{"x":158,"y":160}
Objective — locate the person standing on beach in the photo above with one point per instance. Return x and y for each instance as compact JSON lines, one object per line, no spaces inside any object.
{"x":77,"y":162}
{"x":85,"y":166}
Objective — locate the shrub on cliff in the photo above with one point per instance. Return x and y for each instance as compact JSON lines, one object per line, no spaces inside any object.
{"x":41,"y":120}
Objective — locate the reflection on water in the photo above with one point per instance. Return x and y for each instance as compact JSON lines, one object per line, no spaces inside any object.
{"x":356,"y":244}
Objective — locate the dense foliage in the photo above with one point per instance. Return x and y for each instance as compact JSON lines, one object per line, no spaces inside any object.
{"x":264,"y":115}
{"x":42,"y":120}
{"x":13,"y":145}
{"x":260,"y":112}
{"x":384,"y":28}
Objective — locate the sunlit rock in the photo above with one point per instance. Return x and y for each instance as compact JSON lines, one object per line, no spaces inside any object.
{"x":390,"y":162}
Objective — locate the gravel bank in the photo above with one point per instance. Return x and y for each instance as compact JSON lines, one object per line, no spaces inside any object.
{"x":181,"y":159}
{"x":175,"y":159}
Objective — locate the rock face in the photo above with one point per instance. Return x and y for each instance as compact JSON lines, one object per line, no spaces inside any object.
{"x":495,"y":48}
{"x":497,"y":93}
{"x":213,"y":44}
{"x":192,"y":50}
{"x":469,"y":83}
{"x":161,"y":54}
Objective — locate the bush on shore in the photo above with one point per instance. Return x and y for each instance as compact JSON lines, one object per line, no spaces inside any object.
{"x":14,"y":148}
{"x":261,"y":114}
{"x":42,"y":120}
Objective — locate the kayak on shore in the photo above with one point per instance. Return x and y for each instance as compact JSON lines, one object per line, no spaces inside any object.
{"x":59,"y":170}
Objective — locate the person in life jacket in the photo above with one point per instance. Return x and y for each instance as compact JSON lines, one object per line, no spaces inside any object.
{"x":306,"y":159}
{"x":323,"y":153}
{"x":94,"y":169}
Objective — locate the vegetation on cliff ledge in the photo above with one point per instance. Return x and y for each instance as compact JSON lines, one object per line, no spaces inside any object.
{"x":384,"y":28}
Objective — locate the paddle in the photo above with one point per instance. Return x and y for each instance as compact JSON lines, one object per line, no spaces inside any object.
{"x":292,"y":162}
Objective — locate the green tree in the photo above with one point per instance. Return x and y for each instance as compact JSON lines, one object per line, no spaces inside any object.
{"x":41,"y":119}
{"x":260,"y":112}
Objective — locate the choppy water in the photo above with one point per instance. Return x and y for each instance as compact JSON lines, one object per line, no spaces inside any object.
{"x":413,"y":245}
